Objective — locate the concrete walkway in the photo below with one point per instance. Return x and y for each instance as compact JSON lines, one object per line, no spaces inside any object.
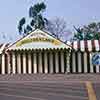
{"x":50,"y":77}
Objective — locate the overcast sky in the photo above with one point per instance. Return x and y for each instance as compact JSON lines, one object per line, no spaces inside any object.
{"x":75,"y":12}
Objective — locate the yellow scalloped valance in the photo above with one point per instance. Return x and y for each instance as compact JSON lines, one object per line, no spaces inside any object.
{"x":25,"y":41}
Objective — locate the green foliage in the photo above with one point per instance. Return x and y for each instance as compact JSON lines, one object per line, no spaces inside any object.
{"x":37,"y":19}
{"x":88,"y":32}
{"x":21,"y":23}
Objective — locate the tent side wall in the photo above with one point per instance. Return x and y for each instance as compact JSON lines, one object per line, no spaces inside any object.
{"x":81,"y":56}
{"x":37,"y":61}
{"x":81,"y":63}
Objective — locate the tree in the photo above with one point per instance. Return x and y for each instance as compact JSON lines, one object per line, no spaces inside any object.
{"x":58,"y":28}
{"x":36,"y":17}
{"x":88,"y":32}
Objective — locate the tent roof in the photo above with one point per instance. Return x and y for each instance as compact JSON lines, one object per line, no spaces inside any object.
{"x":38,"y":39}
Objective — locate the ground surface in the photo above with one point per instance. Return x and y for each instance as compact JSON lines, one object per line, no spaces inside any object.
{"x":50,"y":87}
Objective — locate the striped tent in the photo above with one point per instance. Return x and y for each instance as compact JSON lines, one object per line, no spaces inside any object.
{"x":3,"y":58}
{"x":81,"y":56}
{"x":89,"y":45}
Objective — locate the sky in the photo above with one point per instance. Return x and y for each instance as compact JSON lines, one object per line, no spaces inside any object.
{"x":74,"y":12}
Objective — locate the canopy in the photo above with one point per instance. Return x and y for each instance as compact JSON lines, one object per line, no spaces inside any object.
{"x":38,"y":39}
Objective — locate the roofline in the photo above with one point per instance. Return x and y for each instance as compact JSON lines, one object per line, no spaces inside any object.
{"x":56,"y":38}
{"x":20,"y":39}
{"x":33,"y":31}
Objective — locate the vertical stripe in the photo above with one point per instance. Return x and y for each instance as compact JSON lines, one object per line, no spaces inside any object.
{"x":45,"y":62}
{"x":82,"y":62}
{"x":3,"y":63}
{"x":40,"y":62}
{"x":29,"y":63}
{"x":66,"y":62}
{"x":67,"y":56}
{"x":6,"y":68}
{"x":56,"y":60}
{"x":85,"y":62}
{"x":86,"y":45}
{"x":51,"y":62}
{"x":97,"y":69}
{"x":32,"y":57}
{"x":88,"y":61}
{"x":75,"y":45}
{"x":24,"y":63}
{"x":9,"y":65}
{"x":89,"y":43}
{"x":76,"y":61}
{"x":82,"y":45}
{"x":93,"y":45}
{"x":0,"y":63}
{"x":35,"y":63}
{"x":48,"y":57}
{"x":26,"y":54}
{"x":19,"y":63}
{"x":94,"y":68}
{"x":79,"y":62}
{"x":91,"y":65}
{"x":62,"y":62}
{"x":16,"y":69}
{"x":73,"y":63}
{"x":59,"y":60}
{"x":13,"y":63}
{"x":96,"y":42}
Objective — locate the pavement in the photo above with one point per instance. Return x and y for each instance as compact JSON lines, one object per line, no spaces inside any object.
{"x":50,"y":87}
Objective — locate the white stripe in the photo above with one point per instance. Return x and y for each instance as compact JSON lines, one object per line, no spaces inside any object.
{"x":97,"y":69}
{"x":73,"y":62}
{"x":40,"y":63}
{"x":24,"y":63}
{"x":89,"y":43}
{"x":3,"y":63}
{"x":62,"y":62}
{"x":45,"y":63}
{"x":35,"y":63}
{"x":82,"y":45}
{"x":9,"y":65}
{"x":51,"y":62}
{"x":29,"y":63}
{"x":75,"y":45}
{"x":79,"y":62}
{"x":56,"y":62}
{"x":19,"y":63}
{"x":96,"y":45}
{"x":85,"y":62}
{"x":13,"y":63}
{"x":91,"y":65}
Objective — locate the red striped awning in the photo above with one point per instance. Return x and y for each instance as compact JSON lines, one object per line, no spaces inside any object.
{"x":88,"y":45}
